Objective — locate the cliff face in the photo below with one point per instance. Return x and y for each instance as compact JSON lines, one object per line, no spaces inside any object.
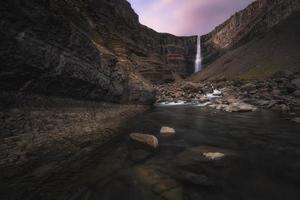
{"x":164,"y":54}
{"x":254,"y":43}
{"x":256,"y":20}
{"x":94,"y":49}
{"x":154,"y":55}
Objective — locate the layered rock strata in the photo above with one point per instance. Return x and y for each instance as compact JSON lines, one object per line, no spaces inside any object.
{"x":256,"y":20}
{"x":93,"y":50}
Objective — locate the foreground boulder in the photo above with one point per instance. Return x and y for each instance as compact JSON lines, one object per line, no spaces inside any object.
{"x":145,"y":140}
{"x":167,"y":131}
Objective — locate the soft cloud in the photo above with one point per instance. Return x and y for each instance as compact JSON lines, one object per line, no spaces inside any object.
{"x":186,"y":17}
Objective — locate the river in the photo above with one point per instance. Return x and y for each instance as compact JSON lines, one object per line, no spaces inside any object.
{"x":262,"y":158}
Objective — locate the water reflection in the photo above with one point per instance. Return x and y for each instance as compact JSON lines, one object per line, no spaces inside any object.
{"x":262,"y":151}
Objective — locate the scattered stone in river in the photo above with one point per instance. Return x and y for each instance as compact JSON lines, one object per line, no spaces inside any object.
{"x":204,"y":165}
{"x":214,"y":155}
{"x":202,"y":154}
{"x":145,"y":139}
{"x":167,"y":131}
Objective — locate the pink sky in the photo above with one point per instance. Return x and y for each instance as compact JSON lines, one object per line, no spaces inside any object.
{"x":186,"y":17}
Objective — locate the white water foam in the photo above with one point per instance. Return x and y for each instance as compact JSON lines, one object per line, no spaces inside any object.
{"x":203,"y":104}
{"x":177,"y":103}
{"x":215,"y":94}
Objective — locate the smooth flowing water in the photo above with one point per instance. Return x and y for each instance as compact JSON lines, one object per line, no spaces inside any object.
{"x":262,"y":158}
{"x":198,"y":60}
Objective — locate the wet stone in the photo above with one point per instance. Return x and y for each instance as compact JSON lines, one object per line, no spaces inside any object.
{"x":167,"y":131}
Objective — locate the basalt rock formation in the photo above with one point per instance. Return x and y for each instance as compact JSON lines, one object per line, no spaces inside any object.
{"x":94,"y":50}
{"x":255,"y":42}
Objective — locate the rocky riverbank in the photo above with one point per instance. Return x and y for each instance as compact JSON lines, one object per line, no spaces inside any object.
{"x":45,"y":137}
{"x":281,"y":92}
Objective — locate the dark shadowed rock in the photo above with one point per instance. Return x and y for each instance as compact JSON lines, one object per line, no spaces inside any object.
{"x":139,"y":155}
{"x":296,"y":82}
{"x":297,"y":93}
{"x":197,"y":179}
{"x":162,"y":185}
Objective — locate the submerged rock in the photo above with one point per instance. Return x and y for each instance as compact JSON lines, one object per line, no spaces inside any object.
{"x":145,"y":139}
{"x":139,"y":155}
{"x":159,"y":184}
{"x":191,"y":177}
{"x":167,"y":131}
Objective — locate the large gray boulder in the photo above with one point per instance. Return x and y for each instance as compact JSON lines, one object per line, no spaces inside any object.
{"x":147,"y":140}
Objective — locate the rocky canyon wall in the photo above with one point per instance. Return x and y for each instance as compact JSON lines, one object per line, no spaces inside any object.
{"x":256,"y":20}
{"x":154,"y":55}
{"x":87,"y":49}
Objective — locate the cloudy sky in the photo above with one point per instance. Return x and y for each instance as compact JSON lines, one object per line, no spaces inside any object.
{"x":186,"y":17}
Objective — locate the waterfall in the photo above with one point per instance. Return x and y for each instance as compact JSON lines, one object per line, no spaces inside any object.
{"x":198,"y":56}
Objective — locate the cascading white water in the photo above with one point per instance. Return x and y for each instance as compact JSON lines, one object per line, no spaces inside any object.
{"x":198,"y":56}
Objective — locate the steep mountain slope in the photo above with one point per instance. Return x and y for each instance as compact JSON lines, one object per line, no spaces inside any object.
{"x":253,"y":43}
{"x":94,"y":49}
